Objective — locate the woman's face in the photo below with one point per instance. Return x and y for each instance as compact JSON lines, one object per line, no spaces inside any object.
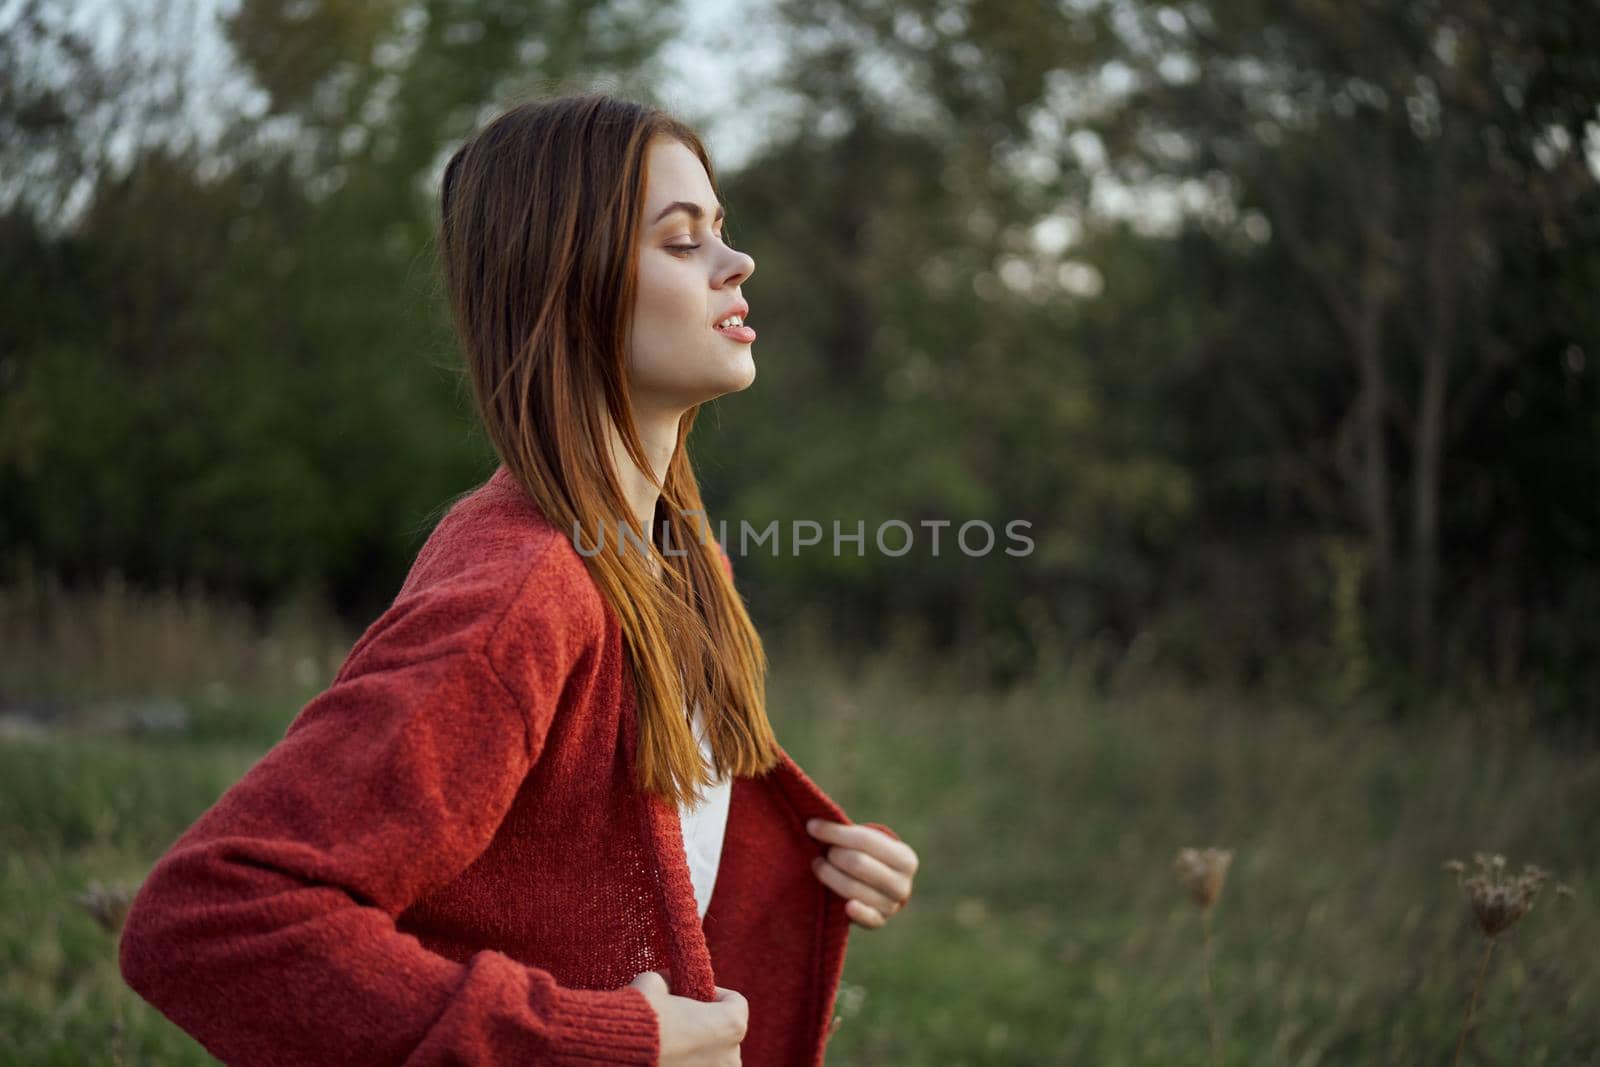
{"x":688,"y":282}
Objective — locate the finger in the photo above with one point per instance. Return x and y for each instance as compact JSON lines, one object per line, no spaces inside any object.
{"x":896,"y":854}
{"x":849,"y":887}
{"x":871,"y":871}
{"x":650,"y":980}
{"x":735,"y":1005}
{"x":865,"y":914}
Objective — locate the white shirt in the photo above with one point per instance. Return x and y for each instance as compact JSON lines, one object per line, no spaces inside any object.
{"x":703,"y":825}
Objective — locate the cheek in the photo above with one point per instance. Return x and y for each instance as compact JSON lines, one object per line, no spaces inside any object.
{"x":666,"y":294}
{"x":669,"y":306}
{"x":663,"y":319}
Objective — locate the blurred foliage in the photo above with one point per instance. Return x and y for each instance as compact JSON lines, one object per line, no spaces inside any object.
{"x":1276,"y":324}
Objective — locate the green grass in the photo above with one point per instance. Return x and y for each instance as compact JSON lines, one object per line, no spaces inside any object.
{"x":1046,"y":927}
{"x":75,"y":810}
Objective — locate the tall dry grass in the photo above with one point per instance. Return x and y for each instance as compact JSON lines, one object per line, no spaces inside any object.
{"x":1046,"y":814}
{"x":112,"y":655}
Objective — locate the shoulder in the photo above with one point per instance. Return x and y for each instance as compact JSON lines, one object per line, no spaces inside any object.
{"x":494,"y":577}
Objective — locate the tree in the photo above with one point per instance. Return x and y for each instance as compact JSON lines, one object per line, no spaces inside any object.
{"x":1400,"y":153}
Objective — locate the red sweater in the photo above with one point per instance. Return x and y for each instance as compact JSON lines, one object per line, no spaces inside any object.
{"x":446,"y":858}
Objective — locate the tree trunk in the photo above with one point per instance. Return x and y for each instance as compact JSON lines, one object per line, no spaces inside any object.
{"x":1425,"y":480}
{"x":1376,"y":291}
{"x":1376,"y":508}
{"x":1442,"y":281}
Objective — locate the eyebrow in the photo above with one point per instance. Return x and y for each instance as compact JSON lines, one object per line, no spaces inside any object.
{"x":693,"y":210}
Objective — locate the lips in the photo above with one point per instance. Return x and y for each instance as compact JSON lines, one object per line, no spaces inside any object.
{"x":740,"y":309}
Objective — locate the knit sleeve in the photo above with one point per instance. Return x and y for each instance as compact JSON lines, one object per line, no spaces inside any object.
{"x":268,"y":930}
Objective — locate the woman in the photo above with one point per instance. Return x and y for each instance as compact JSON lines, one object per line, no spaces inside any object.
{"x":471,"y":847}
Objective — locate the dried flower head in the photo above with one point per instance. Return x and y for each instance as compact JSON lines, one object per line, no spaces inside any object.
{"x":107,"y":903}
{"x":1497,"y":898}
{"x":1202,"y":871}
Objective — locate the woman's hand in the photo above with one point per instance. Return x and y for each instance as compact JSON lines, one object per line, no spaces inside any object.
{"x":695,"y":1033}
{"x":867,"y":867}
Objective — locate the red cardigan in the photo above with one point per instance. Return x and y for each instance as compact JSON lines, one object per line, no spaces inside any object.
{"x":446,"y":858}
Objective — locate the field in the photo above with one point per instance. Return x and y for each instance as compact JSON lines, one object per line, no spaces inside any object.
{"x":1047,"y":927}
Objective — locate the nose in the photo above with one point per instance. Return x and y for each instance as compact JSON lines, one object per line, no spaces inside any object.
{"x":739,"y":267}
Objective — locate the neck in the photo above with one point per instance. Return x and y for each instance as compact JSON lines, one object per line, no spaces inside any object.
{"x":658,"y":432}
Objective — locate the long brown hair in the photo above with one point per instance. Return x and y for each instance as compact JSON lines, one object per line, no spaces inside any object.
{"x":540,"y":214}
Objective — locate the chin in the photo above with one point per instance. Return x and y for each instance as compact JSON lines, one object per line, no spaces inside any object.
{"x":737,"y":378}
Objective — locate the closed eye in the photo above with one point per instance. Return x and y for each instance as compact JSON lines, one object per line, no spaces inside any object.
{"x":686,"y":249}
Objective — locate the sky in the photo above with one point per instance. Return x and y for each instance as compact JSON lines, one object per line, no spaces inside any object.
{"x":713,"y":72}
{"x":720,"y":73}
{"x":717,"y":73}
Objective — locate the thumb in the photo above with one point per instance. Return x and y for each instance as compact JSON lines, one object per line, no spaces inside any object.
{"x":653,"y":981}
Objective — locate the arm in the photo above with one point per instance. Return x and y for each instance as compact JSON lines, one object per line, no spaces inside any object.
{"x":268,"y":930}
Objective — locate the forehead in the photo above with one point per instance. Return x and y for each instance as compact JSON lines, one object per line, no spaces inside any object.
{"x":674,"y":172}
